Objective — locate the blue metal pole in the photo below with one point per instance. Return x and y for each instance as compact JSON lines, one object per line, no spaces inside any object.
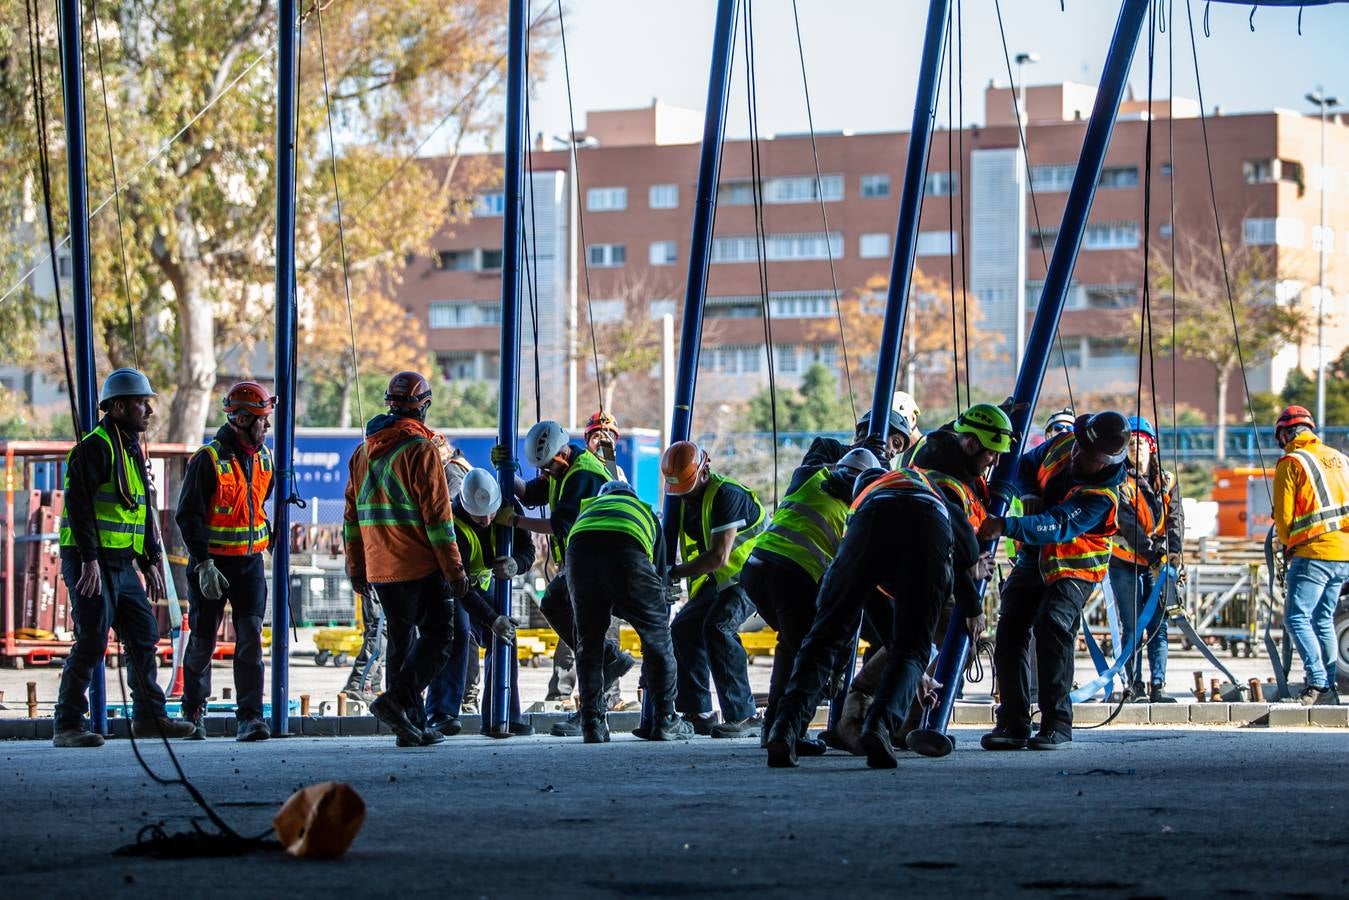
{"x":517,"y":48}
{"x":283,"y":435}
{"x":906,"y":244}
{"x":931,"y":739}
{"x":77,"y":183}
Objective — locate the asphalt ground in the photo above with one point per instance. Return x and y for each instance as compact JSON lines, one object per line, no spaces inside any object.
{"x":1122,"y":812}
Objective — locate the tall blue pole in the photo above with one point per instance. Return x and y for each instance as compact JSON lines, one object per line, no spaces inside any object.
{"x":906,"y":246}
{"x":287,"y":76}
{"x":77,"y":184}
{"x":508,"y":413}
{"x":931,"y":739}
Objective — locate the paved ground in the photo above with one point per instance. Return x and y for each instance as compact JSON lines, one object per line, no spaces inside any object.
{"x":1154,"y":812}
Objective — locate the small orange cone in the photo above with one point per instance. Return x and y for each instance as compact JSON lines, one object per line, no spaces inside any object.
{"x":179,"y":650}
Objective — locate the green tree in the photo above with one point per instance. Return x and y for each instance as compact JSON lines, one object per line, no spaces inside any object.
{"x":1300,"y":389}
{"x":816,"y":405}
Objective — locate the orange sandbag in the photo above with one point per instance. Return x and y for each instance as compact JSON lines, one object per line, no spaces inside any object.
{"x":320,"y":821}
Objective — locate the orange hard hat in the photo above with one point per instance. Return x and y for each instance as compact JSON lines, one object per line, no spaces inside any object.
{"x":681,"y":464}
{"x":1295,"y":415}
{"x":408,"y":391}
{"x":320,"y":821}
{"x":602,"y":421}
{"x":248,"y":397}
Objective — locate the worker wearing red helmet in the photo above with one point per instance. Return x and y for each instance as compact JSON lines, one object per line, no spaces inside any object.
{"x":223,"y":520}
{"x":1311,"y":518}
{"x":602,"y":440}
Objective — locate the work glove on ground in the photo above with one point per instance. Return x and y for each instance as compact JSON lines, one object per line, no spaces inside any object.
{"x":505,"y":567}
{"x":212,"y":582}
{"x":504,"y":628}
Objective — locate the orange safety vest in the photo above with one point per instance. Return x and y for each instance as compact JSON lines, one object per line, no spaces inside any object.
{"x":1321,"y":504}
{"x":237,"y":522}
{"x":1087,"y":556}
{"x":897,"y":480}
{"x":1120,"y":546}
{"x":970,"y":503}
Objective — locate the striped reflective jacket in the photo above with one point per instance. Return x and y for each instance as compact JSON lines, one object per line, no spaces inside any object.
{"x":236,"y":523}
{"x":1319,"y":476}
{"x":1087,"y":556}
{"x":619,"y":513}
{"x":119,"y":527}
{"x":741,"y":548}
{"x":807,"y":526}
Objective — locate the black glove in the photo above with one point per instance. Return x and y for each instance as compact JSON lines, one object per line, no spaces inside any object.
{"x":673,"y":593}
{"x":360,"y":586}
{"x":877,"y":445}
{"x":459,"y":587}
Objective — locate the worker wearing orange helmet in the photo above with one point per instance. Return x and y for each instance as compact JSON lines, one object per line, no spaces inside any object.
{"x":400,"y":541}
{"x":719,"y":520}
{"x":223,"y":520}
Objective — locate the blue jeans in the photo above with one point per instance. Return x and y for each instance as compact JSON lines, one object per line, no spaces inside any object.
{"x":706,"y":639}
{"x":1309,"y":615}
{"x":1132,"y":585}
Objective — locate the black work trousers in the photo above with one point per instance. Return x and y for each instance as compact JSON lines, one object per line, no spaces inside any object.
{"x":1053,"y":614}
{"x":247,"y":599}
{"x":557,"y":607}
{"x":610,"y":575}
{"x":897,"y":544}
{"x":124,"y":607}
{"x":370,"y":650}
{"x":419,"y":621}
{"x":784,"y":594}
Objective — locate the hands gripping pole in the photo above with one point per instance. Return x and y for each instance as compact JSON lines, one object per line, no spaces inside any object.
{"x":931,"y":738}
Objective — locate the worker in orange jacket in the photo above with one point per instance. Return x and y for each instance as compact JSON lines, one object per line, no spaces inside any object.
{"x":399,"y":530}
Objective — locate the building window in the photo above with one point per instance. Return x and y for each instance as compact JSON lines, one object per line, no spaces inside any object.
{"x":874,"y":246}
{"x":1166,"y":170}
{"x":1284,"y":231}
{"x":875,"y":186}
{"x":664,"y":253}
{"x":816,"y":245}
{"x":492,"y":203}
{"x":733,"y":359}
{"x":798,"y":189}
{"x":824,"y":354}
{"x":461,"y":314}
{"x":1072,"y":350}
{"x":1166,"y":230}
{"x":937,"y":243}
{"x":606,"y":199}
{"x":1043,"y":238}
{"x":1270,"y":171}
{"x":1052,"y":179}
{"x":1111,"y":351}
{"x":1118,"y":177}
{"x":941,"y":184}
{"x":786,"y":359}
{"x":1111,"y":236}
{"x":663,"y":196}
{"x":458,"y":366}
{"x":64,"y":266}
{"x":489,"y":260}
{"x":456,"y":260}
{"x":1109,"y":296}
{"x":605,"y":255}
{"x":661,"y":308}
{"x":800,"y":304}
{"x":606,"y":312}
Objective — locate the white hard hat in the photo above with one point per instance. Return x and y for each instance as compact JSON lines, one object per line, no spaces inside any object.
{"x":544,"y":441}
{"x":616,"y":487}
{"x":904,"y":404}
{"x":480,"y":494}
{"x":857,"y":461}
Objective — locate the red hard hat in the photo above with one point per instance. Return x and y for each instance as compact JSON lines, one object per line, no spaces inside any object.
{"x":1295,"y":415}
{"x":248,"y":397}
{"x":602,"y":421}
{"x":407,"y":391}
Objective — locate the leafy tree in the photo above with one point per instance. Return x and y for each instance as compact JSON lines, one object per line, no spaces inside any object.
{"x":1300,"y":389}
{"x":454,"y":404}
{"x":815,"y":406}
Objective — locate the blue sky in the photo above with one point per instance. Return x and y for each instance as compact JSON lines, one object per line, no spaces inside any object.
{"x":862,"y":57}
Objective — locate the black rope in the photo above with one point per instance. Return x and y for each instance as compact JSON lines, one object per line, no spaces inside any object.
{"x":530,"y":274}
{"x":951,"y":203}
{"x":1167,"y":21}
{"x":960,"y":185}
{"x":824,"y":215}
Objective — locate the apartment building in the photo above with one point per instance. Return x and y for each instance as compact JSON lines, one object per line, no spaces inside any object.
{"x":634,"y":192}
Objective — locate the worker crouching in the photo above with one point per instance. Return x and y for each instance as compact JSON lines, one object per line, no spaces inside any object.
{"x":223,"y":520}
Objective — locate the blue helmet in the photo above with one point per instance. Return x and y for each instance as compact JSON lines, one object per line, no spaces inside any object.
{"x":1140,"y":425}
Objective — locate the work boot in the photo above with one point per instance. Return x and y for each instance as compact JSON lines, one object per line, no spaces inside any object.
{"x":616,"y":668}
{"x":429,"y":736}
{"x":1158,"y":694}
{"x":388,"y":710}
{"x":162,"y":725}
{"x":809,"y":746}
{"x":1050,"y":740}
{"x":199,"y":723}
{"x":595,"y":730}
{"x":847,"y":733}
{"x":875,"y":743}
{"x":781,"y":748}
{"x":251,"y":730}
{"x":1315,"y":696}
{"x":670,"y":727}
{"x":1001,"y":738}
{"x":359,"y":694}
{"x":76,"y":736}
{"x":701,"y":724}
{"x":520,"y":729}
{"x":1138,"y":693}
{"x":744,"y":728}
{"x":830,"y":738}
{"x":568,"y":727}
{"x":448,"y":727}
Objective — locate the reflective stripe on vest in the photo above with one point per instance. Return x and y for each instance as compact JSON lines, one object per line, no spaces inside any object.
{"x":584,"y":461}
{"x":1087,"y":556}
{"x":236,"y":523}
{"x":911,"y":480}
{"x":1329,"y":493}
{"x":970,"y":504}
{"x":619,"y":513}
{"x":119,"y":528}
{"x":476,"y":564}
{"x":1121,"y":545}
{"x":743,"y":544}
{"x":397,"y":509}
{"x":808,"y":526}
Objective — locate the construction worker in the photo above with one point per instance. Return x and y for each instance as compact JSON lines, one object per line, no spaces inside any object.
{"x":956,"y":459}
{"x":107,"y":533}
{"x":905,"y":544}
{"x":1311,"y":519}
{"x":222,"y":517}
{"x":570,"y":474}
{"x":1151,"y":533}
{"x":719,"y":519}
{"x":782,"y":575}
{"x":1059,"y":423}
{"x":400,"y":539}
{"x":1069,"y":489}
{"x":829,"y":450}
{"x":903,"y":403}
{"x":615,"y":565}
{"x":601,"y":435}
{"x":475,"y":509}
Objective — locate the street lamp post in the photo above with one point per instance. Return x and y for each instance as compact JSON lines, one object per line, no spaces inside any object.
{"x":574,"y":249}
{"x":1322,"y":103}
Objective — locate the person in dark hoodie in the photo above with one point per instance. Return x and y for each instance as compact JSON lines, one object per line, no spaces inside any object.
{"x":1069,"y":488}
{"x":400,"y":541}
{"x":223,"y":520}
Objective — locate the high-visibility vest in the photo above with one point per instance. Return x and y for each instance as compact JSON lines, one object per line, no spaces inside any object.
{"x":910,"y":480}
{"x":807,"y":526}
{"x":382,"y":501}
{"x":742,"y":546}
{"x":119,"y":528}
{"x":970,"y":504}
{"x":1087,"y":556}
{"x":584,"y":461}
{"x":479,"y":572}
{"x":1321,"y":504}
{"x":1121,"y":545}
{"x":236,"y":524}
{"x":619,"y":513}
